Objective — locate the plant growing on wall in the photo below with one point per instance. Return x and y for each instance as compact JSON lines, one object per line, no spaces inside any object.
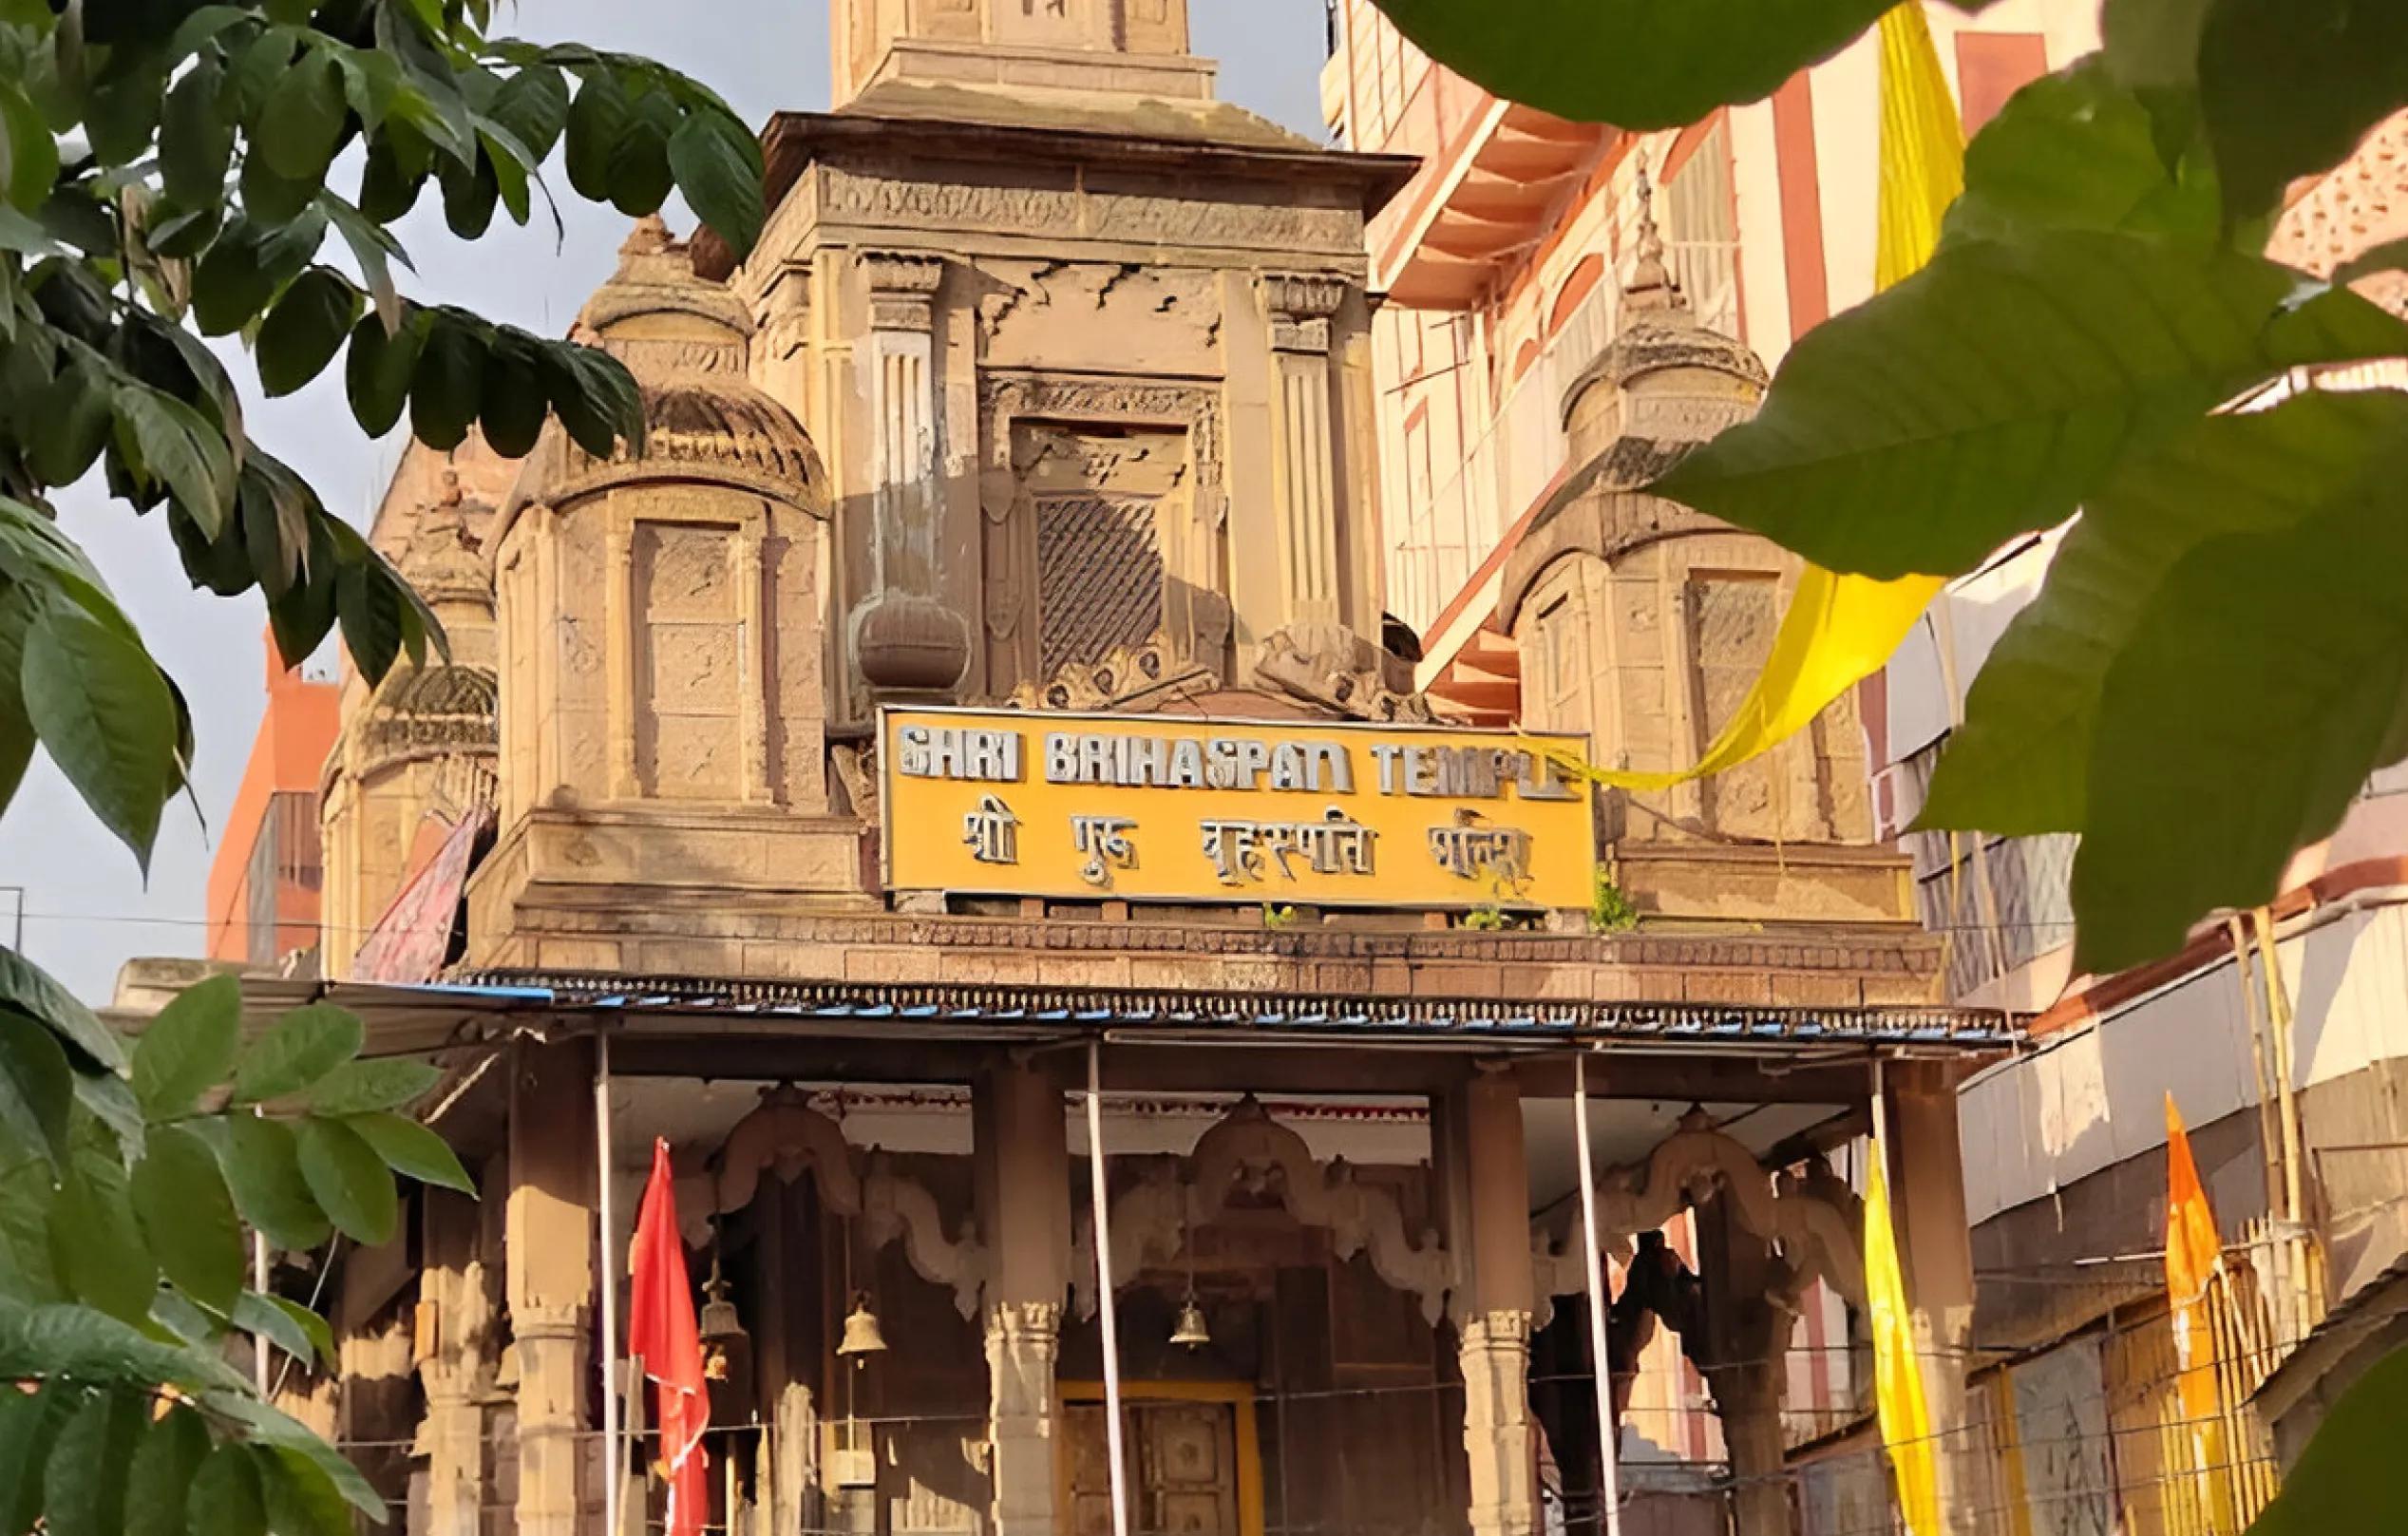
{"x":2220,"y":655}
{"x":169,"y":172}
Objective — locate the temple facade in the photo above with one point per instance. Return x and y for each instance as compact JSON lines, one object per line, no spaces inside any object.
{"x":955,"y":786}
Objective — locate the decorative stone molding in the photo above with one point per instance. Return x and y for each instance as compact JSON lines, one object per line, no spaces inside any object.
{"x":788,"y":1137}
{"x":1249,"y":1153}
{"x":1129,"y":675}
{"x":1338,"y":671}
{"x":1300,"y":308}
{"x":903,"y":289}
{"x":461,"y":1364}
{"x":880,"y":196}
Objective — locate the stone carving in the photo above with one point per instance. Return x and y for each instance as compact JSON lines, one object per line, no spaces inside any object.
{"x":1247,"y":1153}
{"x":1097,"y":313}
{"x":1126,"y":677}
{"x":869,"y":196}
{"x":787,"y":1136}
{"x":1300,"y":308}
{"x":1336,"y":670}
{"x":430,"y":711}
{"x":903,"y":289}
{"x":1811,"y":1220}
{"x":857,"y":770}
{"x":866,"y":193}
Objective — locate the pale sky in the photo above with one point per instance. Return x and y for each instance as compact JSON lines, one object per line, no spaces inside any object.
{"x":86,"y":909}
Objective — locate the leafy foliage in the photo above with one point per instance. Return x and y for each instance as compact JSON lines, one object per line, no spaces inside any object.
{"x":2348,"y":1481}
{"x":2214,"y":665}
{"x":168,"y":170}
{"x":125,"y":1262}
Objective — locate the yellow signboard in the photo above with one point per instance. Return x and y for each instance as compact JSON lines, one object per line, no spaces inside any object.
{"x":1161,"y":807}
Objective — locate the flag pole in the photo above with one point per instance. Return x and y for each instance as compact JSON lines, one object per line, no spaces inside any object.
{"x":1609,"y":1470}
{"x":609,"y":1287}
{"x":1102,"y":1195}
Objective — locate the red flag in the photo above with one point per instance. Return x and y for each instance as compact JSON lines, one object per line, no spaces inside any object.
{"x":661,"y":1331}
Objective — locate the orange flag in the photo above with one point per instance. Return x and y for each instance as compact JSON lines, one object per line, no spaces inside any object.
{"x":661,"y":1329}
{"x":2194,"y":1256}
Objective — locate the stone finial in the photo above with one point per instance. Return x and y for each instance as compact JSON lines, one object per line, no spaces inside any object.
{"x":650,"y":237}
{"x":1651,"y":284}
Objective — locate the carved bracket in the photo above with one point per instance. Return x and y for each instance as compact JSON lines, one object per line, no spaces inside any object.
{"x":1249,"y":1153}
{"x":903,"y":289}
{"x":787,"y":1136}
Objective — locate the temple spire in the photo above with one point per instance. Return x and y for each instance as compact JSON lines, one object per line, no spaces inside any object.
{"x":1652,"y":285}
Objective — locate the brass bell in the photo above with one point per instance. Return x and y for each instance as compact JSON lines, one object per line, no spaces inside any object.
{"x":1190,"y":1330}
{"x":862,"y":1334}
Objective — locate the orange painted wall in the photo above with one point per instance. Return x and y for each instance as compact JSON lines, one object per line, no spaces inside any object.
{"x":294,"y":736}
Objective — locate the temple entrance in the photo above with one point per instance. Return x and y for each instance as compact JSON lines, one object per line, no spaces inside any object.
{"x":1193,"y":1459}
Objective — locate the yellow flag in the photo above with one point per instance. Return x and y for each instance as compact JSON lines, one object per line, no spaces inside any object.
{"x":1898,"y":1392}
{"x":1841,"y":629}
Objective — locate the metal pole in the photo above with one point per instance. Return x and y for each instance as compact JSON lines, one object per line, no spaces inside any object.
{"x":1609,"y":1470}
{"x":260,"y":1283}
{"x":1104,"y":1284}
{"x":609,"y":1285}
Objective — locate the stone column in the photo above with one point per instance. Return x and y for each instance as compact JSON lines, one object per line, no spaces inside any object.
{"x":907,"y":640}
{"x":1745,"y":1327}
{"x":457,"y":1374}
{"x":1022,"y":1167}
{"x":1303,"y":446}
{"x":549,"y":1240}
{"x":1487,"y":1184}
{"x":1935,"y":1250}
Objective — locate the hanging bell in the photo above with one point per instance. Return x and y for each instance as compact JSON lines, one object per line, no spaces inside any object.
{"x":862,"y":1334}
{"x":1190,"y":1330}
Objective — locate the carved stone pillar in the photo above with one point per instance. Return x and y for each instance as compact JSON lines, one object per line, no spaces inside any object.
{"x":1935,"y":1250}
{"x":1487,"y":1184}
{"x":457,"y":1371}
{"x":549,"y":1227}
{"x":1023,"y":1337}
{"x":1022,"y":1165}
{"x":1304,"y":447}
{"x":1740,"y":1346}
{"x":906,"y":640}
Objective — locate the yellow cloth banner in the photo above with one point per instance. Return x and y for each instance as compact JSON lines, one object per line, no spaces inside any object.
{"x":1898,"y":1392}
{"x":1841,"y":629}
{"x":2194,"y":1255}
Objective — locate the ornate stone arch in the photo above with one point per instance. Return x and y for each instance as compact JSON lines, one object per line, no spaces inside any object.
{"x":1248,"y":1151}
{"x":787,"y":1136}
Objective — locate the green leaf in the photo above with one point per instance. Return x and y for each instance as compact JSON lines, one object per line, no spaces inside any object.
{"x":639,"y":171}
{"x":2017,"y":766}
{"x":534,"y":106}
{"x":105,"y":716}
{"x":347,"y":1178}
{"x":96,"y":1243}
{"x":513,"y":405}
{"x":2392,"y":255}
{"x":168,"y":443}
{"x":443,"y":389}
{"x":29,"y":1425}
{"x":2153,"y":43}
{"x":409,"y":1148}
{"x":37,"y":1086}
{"x":121,"y":112}
{"x":263,"y":1168}
{"x":378,"y":370}
{"x":2263,"y":679}
{"x":77,"y":412}
{"x":302,"y":616}
{"x":302,"y":121}
{"x":225,"y":1498}
{"x":29,"y":156}
{"x":85,"y":1490}
{"x":301,"y":1499}
{"x":19,"y":604}
{"x":271,"y":1426}
{"x":1636,"y":64}
{"x":28,"y":1270}
{"x":387,"y":191}
{"x":275,"y":509}
{"x":301,"y":1048}
{"x":360,"y":1087}
{"x":289,"y":1325}
{"x":371,"y":614}
{"x":2347,"y":1482}
{"x":718,"y":164}
{"x":1987,"y":394}
{"x":66,"y":1342}
{"x":304,"y":330}
{"x":2076,"y":150}
{"x":158,"y":1480}
{"x":189,"y":1048}
{"x":599,"y":117}
{"x":2288,"y":87}
{"x":181,"y":1197}
{"x":373,"y":247}
{"x":469,"y":193}
{"x":594,"y":395}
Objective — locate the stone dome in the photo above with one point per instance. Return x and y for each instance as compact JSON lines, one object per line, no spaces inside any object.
{"x":725,"y":422}
{"x":443,"y":707}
